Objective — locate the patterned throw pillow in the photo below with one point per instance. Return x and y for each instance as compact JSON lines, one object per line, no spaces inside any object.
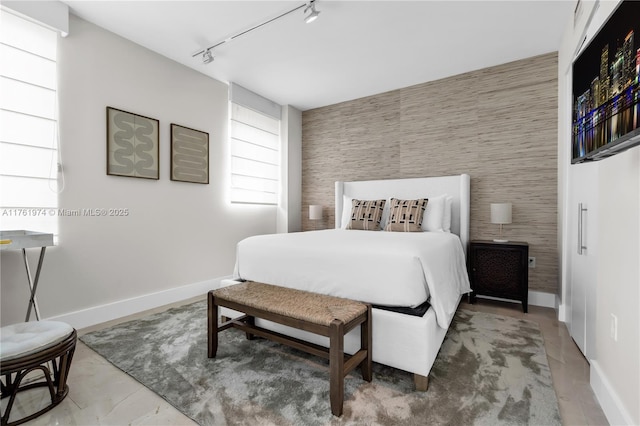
{"x":366,"y":214}
{"x":406,"y":215}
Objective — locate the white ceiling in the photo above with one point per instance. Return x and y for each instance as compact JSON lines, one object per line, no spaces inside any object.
{"x":354,"y":49}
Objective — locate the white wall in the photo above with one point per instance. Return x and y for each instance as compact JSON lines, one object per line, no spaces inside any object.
{"x":289,"y":209}
{"x":615,"y":369}
{"x":618,"y":361}
{"x":176,"y":234}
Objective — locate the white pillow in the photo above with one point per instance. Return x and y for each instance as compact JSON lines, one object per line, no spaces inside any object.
{"x":385,"y":214}
{"x":434,"y":214}
{"x":347,"y":203}
{"x":446,"y":220}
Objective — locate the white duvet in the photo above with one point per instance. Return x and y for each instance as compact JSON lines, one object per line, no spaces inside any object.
{"x":381,"y":268}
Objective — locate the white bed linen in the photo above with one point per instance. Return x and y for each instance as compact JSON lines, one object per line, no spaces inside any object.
{"x":382,"y":268}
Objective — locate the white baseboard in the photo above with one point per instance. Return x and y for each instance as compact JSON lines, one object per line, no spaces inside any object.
{"x":539,"y":298}
{"x":561,"y":309}
{"x":110,"y":311}
{"x":611,"y":404}
{"x":536,"y":298}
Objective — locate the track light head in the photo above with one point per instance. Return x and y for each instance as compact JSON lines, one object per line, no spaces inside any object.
{"x":313,"y":15}
{"x":207,"y":56}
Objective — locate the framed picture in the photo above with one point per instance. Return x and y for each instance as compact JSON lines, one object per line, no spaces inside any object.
{"x":132,"y":145}
{"x":189,"y":155}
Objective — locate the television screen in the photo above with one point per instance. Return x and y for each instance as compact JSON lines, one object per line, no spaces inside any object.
{"x":605,"y":88}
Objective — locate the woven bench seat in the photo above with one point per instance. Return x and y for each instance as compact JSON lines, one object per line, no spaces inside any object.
{"x":302,"y":305}
{"x":320,"y":314}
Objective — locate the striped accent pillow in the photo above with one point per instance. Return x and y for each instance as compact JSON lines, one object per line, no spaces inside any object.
{"x":366,"y":214}
{"x":406,"y":215}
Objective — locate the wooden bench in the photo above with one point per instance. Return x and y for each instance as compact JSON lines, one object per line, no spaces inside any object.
{"x":328,"y":316}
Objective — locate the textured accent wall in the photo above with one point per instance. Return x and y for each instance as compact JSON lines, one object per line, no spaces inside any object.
{"x":497,"y":124}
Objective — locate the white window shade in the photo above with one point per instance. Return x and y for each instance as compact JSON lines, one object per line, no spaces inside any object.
{"x":28,"y":125}
{"x":255,"y":151}
{"x":26,"y":98}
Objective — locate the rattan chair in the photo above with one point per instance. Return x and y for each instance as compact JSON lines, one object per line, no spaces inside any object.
{"x":47,"y":346}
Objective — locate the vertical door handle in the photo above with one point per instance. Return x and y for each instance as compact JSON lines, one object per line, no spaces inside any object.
{"x":581,"y":246}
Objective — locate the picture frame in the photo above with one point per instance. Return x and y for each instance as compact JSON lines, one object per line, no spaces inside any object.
{"x":132,"y":145}
{"x":189,"y":155}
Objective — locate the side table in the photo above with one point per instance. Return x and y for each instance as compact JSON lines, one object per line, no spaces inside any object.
{"x":22,"y":240}
{"x":499,"y":270}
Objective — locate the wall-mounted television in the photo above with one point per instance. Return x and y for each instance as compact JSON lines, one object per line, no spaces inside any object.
{"x":606,"y":115}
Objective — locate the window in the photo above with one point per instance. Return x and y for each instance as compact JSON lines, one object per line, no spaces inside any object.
{"x":255,"y":148}
{"x":28,"y":125}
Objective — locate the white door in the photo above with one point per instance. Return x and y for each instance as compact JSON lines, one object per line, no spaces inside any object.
{"x":583,"y":222}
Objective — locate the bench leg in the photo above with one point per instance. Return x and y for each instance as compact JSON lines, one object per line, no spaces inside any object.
{"x":212,"y":326}
{"x":336,"y":366}
{"x":252,"y":322}
{"x":366,"y":343}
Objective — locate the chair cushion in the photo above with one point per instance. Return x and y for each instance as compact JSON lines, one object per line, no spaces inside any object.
{"x":25,"y":338}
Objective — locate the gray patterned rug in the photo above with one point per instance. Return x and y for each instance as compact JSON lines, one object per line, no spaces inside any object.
{"x":491,"y":370}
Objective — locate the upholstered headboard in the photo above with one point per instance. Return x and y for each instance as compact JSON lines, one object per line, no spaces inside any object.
{"x":458,"y":187}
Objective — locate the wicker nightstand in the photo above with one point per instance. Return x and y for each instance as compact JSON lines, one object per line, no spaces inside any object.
{"x":499,"y":270}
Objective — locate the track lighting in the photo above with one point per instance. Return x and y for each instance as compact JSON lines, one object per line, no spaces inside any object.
{"x":314,"y":13}
{"x":207,"y":56}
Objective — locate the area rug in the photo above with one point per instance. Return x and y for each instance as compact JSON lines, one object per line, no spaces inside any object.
{"x":491,"y":370}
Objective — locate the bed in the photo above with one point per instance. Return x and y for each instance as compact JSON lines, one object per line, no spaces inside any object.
{"x":415,"y":280}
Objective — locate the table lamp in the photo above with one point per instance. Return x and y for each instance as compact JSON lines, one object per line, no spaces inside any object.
{"x":501,"y":215}
{"x":315,"y":213}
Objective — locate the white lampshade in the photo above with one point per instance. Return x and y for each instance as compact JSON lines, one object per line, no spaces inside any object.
{"x":315,"y":212}
{"x":501,"y":213}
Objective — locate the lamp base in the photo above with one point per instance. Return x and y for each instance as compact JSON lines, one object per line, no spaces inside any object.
{"x":500,"y":241}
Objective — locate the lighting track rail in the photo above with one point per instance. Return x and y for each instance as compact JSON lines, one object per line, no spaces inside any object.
{"x":206,"y":54}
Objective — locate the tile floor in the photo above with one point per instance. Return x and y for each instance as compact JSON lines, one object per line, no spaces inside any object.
{"x":103,"y":395}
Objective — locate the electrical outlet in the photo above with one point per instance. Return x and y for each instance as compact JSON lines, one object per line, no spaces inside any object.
{"x":532,"y":262}
{"x":614,"y":328}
